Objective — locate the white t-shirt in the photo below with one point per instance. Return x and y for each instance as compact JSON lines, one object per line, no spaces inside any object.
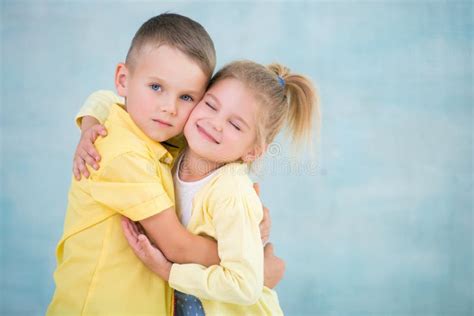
{"x":185,"y":191}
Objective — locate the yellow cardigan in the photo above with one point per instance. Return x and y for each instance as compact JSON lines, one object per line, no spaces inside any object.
{"x":228,"y":210}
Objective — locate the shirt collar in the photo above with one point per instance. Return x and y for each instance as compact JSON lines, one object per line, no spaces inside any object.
{"x":119,"y":115}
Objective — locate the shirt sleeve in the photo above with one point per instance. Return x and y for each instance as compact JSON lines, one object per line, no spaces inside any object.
{"x":130,"y":184}
{"x":98,"y":105}
{"x":238,"y":279}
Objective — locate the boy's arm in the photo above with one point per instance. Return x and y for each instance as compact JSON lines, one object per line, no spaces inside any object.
{"x":177,"y":243}
{"x":129,"y":185}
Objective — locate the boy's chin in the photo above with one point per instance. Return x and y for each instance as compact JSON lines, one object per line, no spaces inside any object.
{"x":162,"y":137}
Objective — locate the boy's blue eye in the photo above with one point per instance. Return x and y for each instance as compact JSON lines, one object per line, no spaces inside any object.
{"x":155,"y":87}
{"x":187,"y":98}
{"x":235,"y":125}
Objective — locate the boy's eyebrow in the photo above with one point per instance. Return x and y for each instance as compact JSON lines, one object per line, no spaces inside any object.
{"x":155,"y":78}
{"x":218,"y":102}
{"x":192,"y":92}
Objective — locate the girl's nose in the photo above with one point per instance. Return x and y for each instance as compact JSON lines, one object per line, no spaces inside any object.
{"x":217,"y":124}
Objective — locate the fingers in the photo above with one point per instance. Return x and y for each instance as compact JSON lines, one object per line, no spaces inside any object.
{"x":268,"y":250}
{"x":146,"y":246}
{"x":256,"y":187}
{"x":81,"y":158}
{"x":90,"y":157}
{"x":86,"y":153}
{"x":265,"y":226}
{"x":266,"y":214}
{"x":265,"y":239}
{"x":141,"y":230}
{"x":80,"y":165}
{"x":89,"y":145}
{"x":129,"y":235}
{"x":92,"y":152}
{"x":133,"y":228}
{"x":267,"y":219}
{"x":75,"y":170}
{"x":136,"y":229}
{"x":100,"y":130}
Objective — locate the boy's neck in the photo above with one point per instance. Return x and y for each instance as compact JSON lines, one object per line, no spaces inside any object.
{"x":193,"y":167}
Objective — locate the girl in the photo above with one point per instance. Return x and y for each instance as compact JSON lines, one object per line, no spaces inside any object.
{"x":239,"y":116}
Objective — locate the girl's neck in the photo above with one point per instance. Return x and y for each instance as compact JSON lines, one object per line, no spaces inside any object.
{"x":193,"y":167}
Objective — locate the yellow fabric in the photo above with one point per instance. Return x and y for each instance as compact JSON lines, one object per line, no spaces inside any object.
{"x":97,"y":272}
{"x":98,"y":105}
{"x":228,"y":210}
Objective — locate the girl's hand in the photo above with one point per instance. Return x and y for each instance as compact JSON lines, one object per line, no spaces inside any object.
{"x":86,"y":152}
{"x":266,"y":223}
{"x":151,"y":256}
{"x":273,"y":269}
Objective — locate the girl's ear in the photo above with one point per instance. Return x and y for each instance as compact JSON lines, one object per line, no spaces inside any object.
{"x":255,"y":153}
{"x":121,"y":79}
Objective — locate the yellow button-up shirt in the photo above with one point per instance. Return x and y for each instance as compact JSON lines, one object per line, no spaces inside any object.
{"x":97,"y":272}
{"x":228,"y":210}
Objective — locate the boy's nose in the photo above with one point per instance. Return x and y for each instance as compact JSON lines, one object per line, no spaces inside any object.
{"x":169,"y":106}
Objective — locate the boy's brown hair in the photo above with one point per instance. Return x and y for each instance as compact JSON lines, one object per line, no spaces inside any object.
{"x":179,"y":32}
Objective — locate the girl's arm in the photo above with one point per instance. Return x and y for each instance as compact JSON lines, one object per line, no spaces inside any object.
{"x":93,"y":112}
{"x":238,"y":279}
{"x":85,"y":151}
{"x":97,"y":105}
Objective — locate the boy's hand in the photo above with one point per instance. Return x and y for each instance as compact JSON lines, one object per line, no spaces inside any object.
{"x":274,"y":267}
{"x":151,"y":256}
{"x":266,"y":223}
{"x":86,"y":152}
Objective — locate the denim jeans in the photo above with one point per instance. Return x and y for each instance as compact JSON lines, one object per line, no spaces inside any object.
{"x":187,"y":305}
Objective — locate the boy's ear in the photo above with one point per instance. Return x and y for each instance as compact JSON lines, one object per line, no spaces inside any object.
{"x":121,"y":79}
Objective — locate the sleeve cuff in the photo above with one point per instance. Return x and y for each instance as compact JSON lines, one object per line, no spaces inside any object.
{"x":148,"y":208}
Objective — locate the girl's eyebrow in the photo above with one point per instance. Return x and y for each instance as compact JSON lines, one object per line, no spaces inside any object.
{"x":219,"y":103}
{"x":242,"y":120}
{"x":214,"y":97}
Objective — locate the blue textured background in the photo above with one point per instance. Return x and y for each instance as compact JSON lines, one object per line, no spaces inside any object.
{"x":382,"y":224}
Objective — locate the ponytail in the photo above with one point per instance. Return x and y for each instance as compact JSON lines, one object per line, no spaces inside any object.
{"x":302,"y":101}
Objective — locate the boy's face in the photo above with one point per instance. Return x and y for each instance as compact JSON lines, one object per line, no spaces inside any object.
{"x":222,"y":127}
{"x":161,"y":90}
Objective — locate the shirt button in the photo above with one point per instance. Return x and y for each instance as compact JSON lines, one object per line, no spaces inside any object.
{"x":168,"y":160}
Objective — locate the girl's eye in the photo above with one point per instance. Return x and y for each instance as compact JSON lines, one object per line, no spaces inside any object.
{"x":209,"y":105}
{"x":187,"y":98}
{"x":236,"y":126}
{"x":155,"y":87}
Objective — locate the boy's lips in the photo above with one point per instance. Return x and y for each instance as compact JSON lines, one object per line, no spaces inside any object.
{"x":205,"y":134}
{"x":163,"y":123}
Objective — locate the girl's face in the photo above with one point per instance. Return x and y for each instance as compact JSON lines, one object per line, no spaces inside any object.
{"x":222,"y":126}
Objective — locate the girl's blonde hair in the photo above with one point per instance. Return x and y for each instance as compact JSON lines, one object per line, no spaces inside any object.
{"x":282,"y":96}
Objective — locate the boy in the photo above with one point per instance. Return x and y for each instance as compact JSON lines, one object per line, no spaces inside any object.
{"x":166,"y":72}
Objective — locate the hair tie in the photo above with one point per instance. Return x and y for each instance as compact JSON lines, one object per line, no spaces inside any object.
{"x":281,"y":81}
